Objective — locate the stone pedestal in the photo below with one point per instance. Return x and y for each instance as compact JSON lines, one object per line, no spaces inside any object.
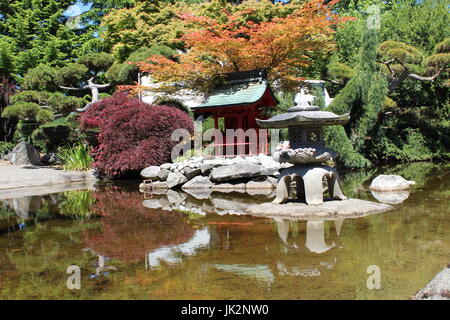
{"x":312,"y":182}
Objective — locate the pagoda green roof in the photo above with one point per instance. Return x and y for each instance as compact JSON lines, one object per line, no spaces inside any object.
{"x":235,"y":94}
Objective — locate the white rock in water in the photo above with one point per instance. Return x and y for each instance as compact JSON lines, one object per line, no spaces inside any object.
{"x":151,"y":172}
{"x":391,"y":197}
{"x":389,"y":183}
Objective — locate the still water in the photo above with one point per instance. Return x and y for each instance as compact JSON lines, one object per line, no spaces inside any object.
{"x":178,"y":246}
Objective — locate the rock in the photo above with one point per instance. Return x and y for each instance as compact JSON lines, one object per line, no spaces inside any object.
{"x":215,"y":162}
{"x":189,"y":172}
{"x":229,"y":187}
{"x":175,"y":197}
{"x":206,"y":168}
{"x":236,"y":171}
{"x":175,"y":179}
{"x":266,"y":184}
{"x":25,"y":154}
{"x":151,"y":172}
{"x":268,"y":162}
{"x":389,"y":183}
{"x":149,"y":187}
{"x":254,"y":160}
{"x":227,"y":204}
{"x":198,"y":182}
{"x":163,"y":174}
{"x":236,"y":160}
{"x":328,"y":210}
{"x":51,"y":159}
{"x":200,"y":194}
{"x":391,"y":197}
{"x":166,"y":166}
{"x":436,"y":289}
{"x":151,"y":203}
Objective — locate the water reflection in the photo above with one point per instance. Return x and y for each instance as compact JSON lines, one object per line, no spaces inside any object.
{"x":391,"y":197}
{"x":131,"y":231}
{"x":176,"y":246}
{"x":169,"y":254}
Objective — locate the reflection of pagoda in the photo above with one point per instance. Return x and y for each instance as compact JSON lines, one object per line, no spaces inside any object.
{"x":315,"y":234}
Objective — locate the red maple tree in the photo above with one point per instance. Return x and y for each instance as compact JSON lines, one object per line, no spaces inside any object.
{"x":283,"y":46}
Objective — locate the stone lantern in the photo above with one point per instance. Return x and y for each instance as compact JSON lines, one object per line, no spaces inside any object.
{"x":306,"y":152}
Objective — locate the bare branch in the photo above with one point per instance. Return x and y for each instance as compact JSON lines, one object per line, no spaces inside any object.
{"x":417,"y":77}
{"x":72,"y":88}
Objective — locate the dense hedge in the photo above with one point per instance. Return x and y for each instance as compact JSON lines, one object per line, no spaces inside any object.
{"x":133,"y":134}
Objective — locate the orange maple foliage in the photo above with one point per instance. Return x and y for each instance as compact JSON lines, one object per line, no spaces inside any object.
{"x":282,"y":46}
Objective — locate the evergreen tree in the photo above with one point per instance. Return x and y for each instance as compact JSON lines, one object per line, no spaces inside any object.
{"x":362,"y":97}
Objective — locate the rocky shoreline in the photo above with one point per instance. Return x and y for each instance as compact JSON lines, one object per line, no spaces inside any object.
{"x":218,"y":174}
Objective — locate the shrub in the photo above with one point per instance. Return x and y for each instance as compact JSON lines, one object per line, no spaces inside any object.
{"x":133,"y":134}
{"x":5,"y":148}
{"x":76,"y":157}
{"x":52,"y":135}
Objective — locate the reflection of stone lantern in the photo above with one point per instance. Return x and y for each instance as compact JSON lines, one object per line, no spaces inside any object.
{"x":315,"y":237}
{"x":307,"y":152}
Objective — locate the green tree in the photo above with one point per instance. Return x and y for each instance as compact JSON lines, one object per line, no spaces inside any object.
{"x":44,"y":106}
{"x":362,"y":97}
{"x":412,"y":56}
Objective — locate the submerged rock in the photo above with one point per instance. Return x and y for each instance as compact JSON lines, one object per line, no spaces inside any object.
{"x":390,"y":183}
{"x":25,"y":154}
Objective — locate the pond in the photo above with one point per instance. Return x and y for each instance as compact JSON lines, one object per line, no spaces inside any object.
{"x":175,"y":246}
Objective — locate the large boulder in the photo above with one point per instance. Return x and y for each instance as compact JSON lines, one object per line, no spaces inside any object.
{"x":189,"y":172}
{"x":236,"y":171}
{"x":25,"y":154}
{"x":198,"y":182}
{"x":175,"y":179}
{"x":151,"y":172}
{"x":389,"y":183}
{"x":163,"y":174}
{"x":51,"y":159}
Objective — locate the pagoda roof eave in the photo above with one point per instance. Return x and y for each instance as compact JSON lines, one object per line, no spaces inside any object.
{"x":304,"y":118}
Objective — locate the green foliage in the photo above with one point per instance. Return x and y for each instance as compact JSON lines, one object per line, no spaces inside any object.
{"x":127,"y":72}
{"x":43,"y":77}
{"x":6,"y":61}
{"x":97,"y":61}
{"x":76,"y":157}
{"x":363,"y":97}
{"x":5,"y":147}
{"x":73,"y":73}
{"x":52,"y":135}
{"x":77,"y":204}
{"x":338,"y":70}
